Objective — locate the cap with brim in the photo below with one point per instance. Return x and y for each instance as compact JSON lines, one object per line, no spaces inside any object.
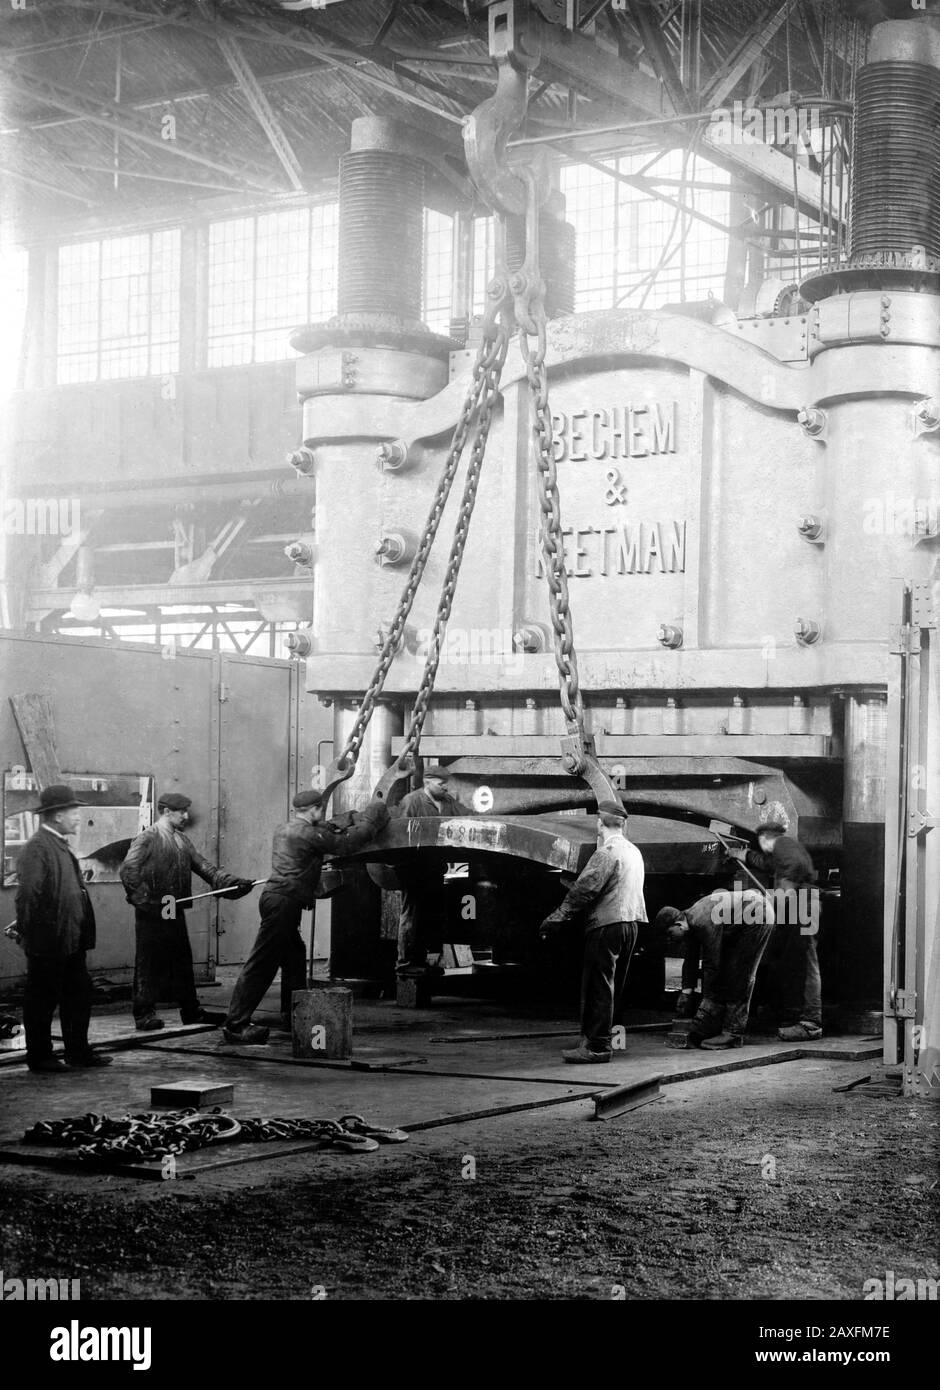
{"x":435,"y":770}
{"x":57,"y":797}
{"x":611,"y":808}
{"x":666,"y":917}
{"x":304,"y":800}
{"x":173,"y":801}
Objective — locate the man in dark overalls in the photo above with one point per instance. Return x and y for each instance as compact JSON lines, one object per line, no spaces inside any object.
{"x":156,"y":874}
{"x":422,"y":898}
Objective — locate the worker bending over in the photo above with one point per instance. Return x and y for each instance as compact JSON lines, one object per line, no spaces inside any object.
{"x":792,"y":958}
{"x":609,"y":892}
{"x":296,"y":861}
{"x":727,"y":932}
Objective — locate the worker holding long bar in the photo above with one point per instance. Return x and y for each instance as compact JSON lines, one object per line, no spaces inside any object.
{"x":157,"y":877}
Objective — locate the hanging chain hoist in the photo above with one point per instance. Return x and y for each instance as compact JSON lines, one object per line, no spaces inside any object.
{"x":475,"y":418}
{"x":513,"y":300}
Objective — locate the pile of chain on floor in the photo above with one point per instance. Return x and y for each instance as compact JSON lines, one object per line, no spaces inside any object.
{"x":135,"y":1138}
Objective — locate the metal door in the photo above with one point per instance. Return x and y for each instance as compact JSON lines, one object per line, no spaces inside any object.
{"x":257,"y":737}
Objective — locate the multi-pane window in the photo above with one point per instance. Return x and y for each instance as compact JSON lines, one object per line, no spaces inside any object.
{"x":634,"y":249}
{"x":119,"y":307}
{"x":14,"y":280}
{"x":484,"y":259}
{"x":438,"y":270}
{"x":267,"y":275}
{"x":631,"y":248}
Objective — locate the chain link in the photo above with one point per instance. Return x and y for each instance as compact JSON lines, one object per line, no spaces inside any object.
{"x":487,"y":409}
{"x":477,"y":410}
{"x":551,"y":533}
{"x":526,"y":308}
{"x":100,"y":1139}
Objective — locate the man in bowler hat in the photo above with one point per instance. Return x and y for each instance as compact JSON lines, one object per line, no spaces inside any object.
{"x":56,"y":923}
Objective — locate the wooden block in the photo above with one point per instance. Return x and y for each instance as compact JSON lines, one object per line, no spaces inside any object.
{"x":36,"y":722}
{"x":322,"y":1023}
{"x":463,"y":953}
{"x":177,"y":1094}
{"x":413,"y":991}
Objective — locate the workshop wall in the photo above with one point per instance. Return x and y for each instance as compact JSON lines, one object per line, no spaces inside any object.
{"x":236,"y":733}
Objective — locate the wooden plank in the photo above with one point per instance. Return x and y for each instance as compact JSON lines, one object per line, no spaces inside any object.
{"x":35,"y":720}
{"x":195,"y":1093}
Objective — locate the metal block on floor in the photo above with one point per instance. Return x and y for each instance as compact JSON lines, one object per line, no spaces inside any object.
{"x":177,"y":1094}
{"x":678,"y":1035}
{"x":322,"y":1023}
{"x":413,"y":991}
{"x":619,"y":1099}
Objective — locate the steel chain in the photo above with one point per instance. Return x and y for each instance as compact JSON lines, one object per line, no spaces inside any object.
{"x":477,"y":412}
{"x":551,"y":533}
{"x":479,"y":403}
{"x":100,"y":1139}
{"x":487,"y":409}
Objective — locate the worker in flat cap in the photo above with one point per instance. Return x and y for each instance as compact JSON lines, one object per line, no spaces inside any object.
{"x":297,"y":856}
{"x":157,"y":874}
{"x":608,"y":894}
{"x":727,"y":931}
{"x":791,"y":969}
{"x":422,"y":898}
{"x":55,"y":921}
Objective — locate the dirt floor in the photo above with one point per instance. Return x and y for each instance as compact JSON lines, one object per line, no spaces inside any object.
{"x":757,"y":1184}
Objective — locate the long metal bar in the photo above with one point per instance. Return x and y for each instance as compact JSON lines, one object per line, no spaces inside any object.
{"x":214,"y":892}
{"x":627,"y":127}
{"x":50,"y":187}
{"x":153,"y":178}
{"x":263,"y":110}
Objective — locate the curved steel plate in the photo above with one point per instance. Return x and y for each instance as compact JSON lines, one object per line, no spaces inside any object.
{"x":558,"y":842}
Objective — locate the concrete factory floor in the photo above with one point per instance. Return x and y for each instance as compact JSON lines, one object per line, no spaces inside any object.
{"x":740,"y":1181}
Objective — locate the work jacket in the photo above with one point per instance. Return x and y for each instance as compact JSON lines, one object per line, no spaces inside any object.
{"x":299,"y":848}
{"x":419,"y":804}
{"x":788,"y":862}
{"x":609,"y":887}
{"x":713,"y":930}
{"x":159,"y":866}
{"x":54,"y":914}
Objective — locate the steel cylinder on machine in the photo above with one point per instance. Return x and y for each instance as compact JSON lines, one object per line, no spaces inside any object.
{"x":381,"y":232}
{"x":556,"y":256}
{"x":895,"y":199}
